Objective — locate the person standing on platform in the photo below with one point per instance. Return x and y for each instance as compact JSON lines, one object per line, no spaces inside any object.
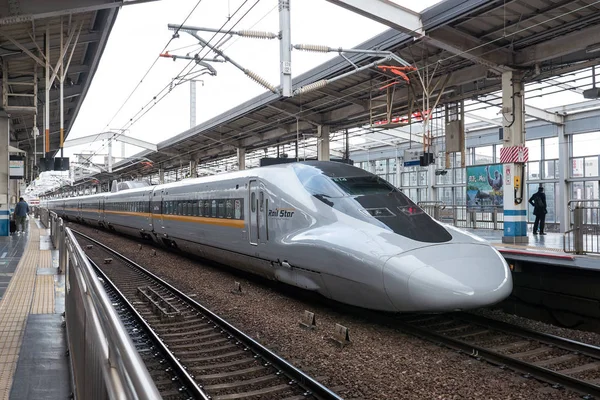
{"x":21,"y":211}
{"x":538,"y":201}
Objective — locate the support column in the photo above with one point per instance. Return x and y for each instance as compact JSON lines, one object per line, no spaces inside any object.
{"x":564,"y":192}
{"x":285,"y":48}
{"x":193,"y":168}
{"x":161,"y":176}
{"x":241,"y":155}
{"x":431,"y":189}
{"x":323,"y":143}
{"x":47,"y":91}
{"x":514,"y":189}
{"x":4,"y":174}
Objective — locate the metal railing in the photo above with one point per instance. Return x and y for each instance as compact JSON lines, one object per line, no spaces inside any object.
{"x":433,"y":208}
{"x":584,"y":235}
{"x":460,"y":217}
{"x":104,"y":360}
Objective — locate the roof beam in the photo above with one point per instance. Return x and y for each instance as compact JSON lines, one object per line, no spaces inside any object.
{"x":341,"y":96}
{"x":483,"y":119}
{"x":560,"y":46}
{"x":566,"y":86}
{"x":294,"y":111}
{"x":470,"y":48}
{"x":402,"y":134}
{"x":387,"y":13}
{"x":107,"y":136}
{"x":544,"y":115}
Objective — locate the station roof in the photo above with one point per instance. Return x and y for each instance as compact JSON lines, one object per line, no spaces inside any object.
{"x":23,"y":26}
{"x":466,"y":46}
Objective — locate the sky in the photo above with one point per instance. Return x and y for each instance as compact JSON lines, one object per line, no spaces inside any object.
{"x":140,"y":34}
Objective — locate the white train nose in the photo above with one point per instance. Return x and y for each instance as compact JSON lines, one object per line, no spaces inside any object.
{"x":448,"y":277}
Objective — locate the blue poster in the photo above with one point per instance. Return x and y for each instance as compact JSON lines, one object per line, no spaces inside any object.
{"x":485,"y":190}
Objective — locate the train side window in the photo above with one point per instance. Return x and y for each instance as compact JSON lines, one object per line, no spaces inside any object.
{"x":200,"y":208}
{"x":213,"y":211}
{"x":261,"y":201}
{"x":229,"y":207}
{"x":253,"y":202}
{"x":206,"y":208}
{"x":221,"y":213}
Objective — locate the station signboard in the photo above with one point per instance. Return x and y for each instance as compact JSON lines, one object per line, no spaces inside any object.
{"x":16,"y":167}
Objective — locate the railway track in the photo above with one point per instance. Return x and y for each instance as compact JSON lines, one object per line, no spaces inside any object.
{"x":168,"y":377}
{"x":564,"y":363}
{"x":219,"y":361}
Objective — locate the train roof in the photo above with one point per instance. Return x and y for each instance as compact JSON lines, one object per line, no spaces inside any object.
{"x":327,"y":168}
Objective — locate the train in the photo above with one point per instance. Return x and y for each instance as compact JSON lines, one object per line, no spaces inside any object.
{"x":327,"y":227}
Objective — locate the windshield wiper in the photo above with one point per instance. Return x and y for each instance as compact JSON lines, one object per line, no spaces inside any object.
{"x":322,"y":197}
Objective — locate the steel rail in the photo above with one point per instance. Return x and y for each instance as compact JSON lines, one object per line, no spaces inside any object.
{"x":192,"y":385}
{"x":563,"y":343}
{"x":502,"y":360}
{"x":307,"y":382}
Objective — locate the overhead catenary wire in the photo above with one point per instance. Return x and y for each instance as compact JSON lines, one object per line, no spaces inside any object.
{"x":161,"y":94}
{"x":153,"y":64}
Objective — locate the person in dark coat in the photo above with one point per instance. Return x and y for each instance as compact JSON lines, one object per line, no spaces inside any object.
{"x":538,"y":201}
{"x":21,"y":211}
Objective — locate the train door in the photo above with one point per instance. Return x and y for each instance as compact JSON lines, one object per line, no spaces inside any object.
{"x":259,"y":210}
{"x":253,"y":215}
{"x":263,"y":212}
{"x":101,"y":210}
{"x":148,"y":211}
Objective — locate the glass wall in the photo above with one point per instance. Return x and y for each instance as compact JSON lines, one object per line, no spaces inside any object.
{"x":542,"y":169}
{"x":584,"y":166}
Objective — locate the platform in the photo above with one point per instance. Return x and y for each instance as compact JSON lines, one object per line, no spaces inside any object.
{"x":543,"y":249}
{"x":33,"y":362}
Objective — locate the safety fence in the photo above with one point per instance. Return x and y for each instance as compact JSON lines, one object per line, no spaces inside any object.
{"x":460,"y":217}
{"x":584,"y":235}
{"x":104,"y":360}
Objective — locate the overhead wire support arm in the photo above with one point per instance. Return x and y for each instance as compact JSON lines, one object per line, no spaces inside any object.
{"x":325,"y":49}
{"x":192,"y":30}
{"x":386,"y":56}
{"x":242,"y":33}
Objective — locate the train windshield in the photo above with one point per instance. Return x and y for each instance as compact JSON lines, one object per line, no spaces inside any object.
{"x":364,"y":185}
{"x":379,"y":202}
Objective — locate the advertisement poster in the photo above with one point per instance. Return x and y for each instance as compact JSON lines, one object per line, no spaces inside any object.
{"x":485,"y":187}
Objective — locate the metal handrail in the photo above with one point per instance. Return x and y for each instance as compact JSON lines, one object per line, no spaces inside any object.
{"x":585,"y":218}
{"x":440,"y":204}
{"x":109,"y":365}
{"x":581,"y":201}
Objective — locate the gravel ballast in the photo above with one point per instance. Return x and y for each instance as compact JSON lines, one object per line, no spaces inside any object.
{"x":381,"y":362}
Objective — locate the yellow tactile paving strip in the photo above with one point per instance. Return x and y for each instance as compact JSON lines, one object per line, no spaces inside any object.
{"x":17,"y":304}
{"x":43,"y":299}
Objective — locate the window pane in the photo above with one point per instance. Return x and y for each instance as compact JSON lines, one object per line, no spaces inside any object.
{"x":535,"y":149}
{"x":551,"y":148}
{"x":484,"y":155}
{"x":533,"y":169}
{"x":586,"y":144}
{"x":591,"y":166}
{"x":422,"y":178}
{"x":577,"y":171}
{"x":549,"y":170}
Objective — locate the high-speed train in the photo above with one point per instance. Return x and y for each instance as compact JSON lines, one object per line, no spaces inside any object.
{"x":327,"y":227}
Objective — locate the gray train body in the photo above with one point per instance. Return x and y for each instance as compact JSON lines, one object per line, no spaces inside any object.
{"x":322,"y":226}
